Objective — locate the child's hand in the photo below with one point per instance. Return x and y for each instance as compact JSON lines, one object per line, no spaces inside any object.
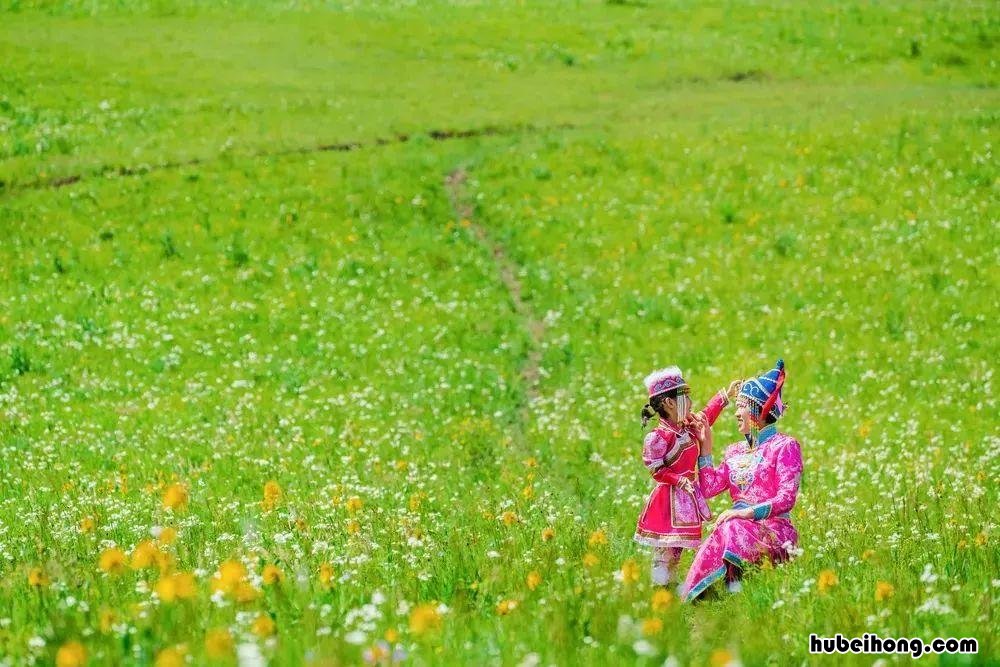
{"x":733,"y":389}
{"x":686,"y":484}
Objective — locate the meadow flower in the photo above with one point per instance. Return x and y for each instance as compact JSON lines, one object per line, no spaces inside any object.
{"x":263,"y":626}
{"x":644,"y":648}
{"x":630,"y":572}
{"x":597,"y":538}
{"x":180,"y":586}
{"x":883,"y":591}
{"x":533,"y":579}
{"x":272,"y":495}
{"x":504,"y":607}
{"x":219,"y":644}
{"x":353,"y":504}
{"x":106,"y":620}
{"x":827,"y":579}
{"x":144,"y":555}
{"x":720,"y":657}
{"x":590,"y":560}
{"x":167,"y":535}
{"x":175,"y":497}
{"x":981,"y":539}
{"x":37,"y":577}
{"x":424,"y":618}
{"x":71,"y":654}
{"x":548,"y":533}
{"x":87,"y":525}
{"x":272,"y":574}
{"x":652,"y":626}
{"x":508,"y":518}
{"x":662,"y":599}
{"x":326,"y":574}
{"x":112,"y":561}
{"x":173,"y":656}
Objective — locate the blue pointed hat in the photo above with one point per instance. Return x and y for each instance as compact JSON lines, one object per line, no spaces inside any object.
{"x":764,"y":392}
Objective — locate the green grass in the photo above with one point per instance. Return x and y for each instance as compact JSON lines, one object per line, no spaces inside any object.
{"x":708,"y":185}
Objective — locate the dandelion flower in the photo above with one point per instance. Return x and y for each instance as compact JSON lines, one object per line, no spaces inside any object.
{"x":87,"y":525}
{"x":171,"y":657}
{"x":391,"y":635}
{"x":168,"y":535}
{"x":548,"y":533}
{"x":107,"y":619}
{"x":652,"y":627}
{"x":883,"y":591}
{"x":981,"y":539}
{"x":144,"y":555}
{"x":590,"y":560}
{"x":630,"y":572}
{"x":424,"y":618}
{"x":827,"y":580}
{"x":180,"y":586}
{"x":534,"y":578}
{"x":175,"y":497}
{"x":720,"y":657}
{"x":662,"y":599}
{"x":263,"y":626}
{"x":272,"y":574}
{"x":326,"y":574}
{"x":504,"y":607}
{"x":272,"y":495}
{"x":112,"y":561}
{"x":37,"y":577}
{"x":597,"y":538}
{"x":508,"y":518}
{"x":219,"y":644}
{"x":71,"y":654}
{"x":353,"y":504}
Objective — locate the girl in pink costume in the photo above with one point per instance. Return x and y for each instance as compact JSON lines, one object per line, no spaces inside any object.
{"x":762,"y":476}
{"x":672,"y":517}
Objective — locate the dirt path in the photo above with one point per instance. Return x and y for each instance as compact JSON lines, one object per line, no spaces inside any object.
{"x":508,"y":270}
{"x":108,"y":171}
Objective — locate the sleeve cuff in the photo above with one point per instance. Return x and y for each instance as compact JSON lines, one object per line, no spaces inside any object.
{"x":761,"y":511}
{"x":725,"y":397}
{"x":705,"y":461}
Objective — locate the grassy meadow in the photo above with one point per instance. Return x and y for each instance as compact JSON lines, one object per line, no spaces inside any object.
{"x":324,"y":325}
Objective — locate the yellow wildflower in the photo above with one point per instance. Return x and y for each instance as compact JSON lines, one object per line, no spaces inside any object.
{"x":424,"y":618}
{"x":107,"y":619}
{"x":590,"y":560}
{"x":168,"y":535}
{"x":171,"y":657}
{"x":272,"y":574}
{"x":71,"y":654}
{"x":326,"y":574}
{"x":392,"y":635}
{"x":533,"y":580}
{"x":87,"y":524}
{"x":981,"y":539}
{"x":354,"y":503}
{"x":630,"y":572}
{"x":827,"y":580}
{"x":720,"y":657}
{"x":508,"y":518}
{"x":597,"y":538}
{"x":504,"y":607}
{"x":144,"y":555}
{"x":37,"y":577}
{"x":180,"y":586}
{"x":263,"y":626}
{"x":219,"y":644}
{"x":652,"y":626}
{"x":112,"y":561}
{"x":175,"y":497}
{"x":883,"y":591}
{"x":662,"y":599}
{"x":548,"y":533}
{"x":272,"y":495}
{"x":230,"y":575}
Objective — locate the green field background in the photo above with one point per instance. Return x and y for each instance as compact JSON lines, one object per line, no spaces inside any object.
{"x":231,"y":253}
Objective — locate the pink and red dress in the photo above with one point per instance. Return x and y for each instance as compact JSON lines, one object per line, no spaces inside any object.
{"x":764,"y":477}
{"x":672,"y":516}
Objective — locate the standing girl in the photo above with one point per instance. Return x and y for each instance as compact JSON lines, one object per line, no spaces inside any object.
{"x":672,"y":517}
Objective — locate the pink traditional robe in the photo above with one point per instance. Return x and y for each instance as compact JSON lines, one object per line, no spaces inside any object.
{"x":765,"y":478}
{"x":672,"y":516}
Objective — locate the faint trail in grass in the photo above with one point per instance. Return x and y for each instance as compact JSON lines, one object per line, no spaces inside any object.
{"x":341,"y":147}
{"x":509,"y":271}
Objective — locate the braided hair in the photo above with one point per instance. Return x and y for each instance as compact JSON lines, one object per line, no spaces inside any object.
{"x":655,"y":406}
